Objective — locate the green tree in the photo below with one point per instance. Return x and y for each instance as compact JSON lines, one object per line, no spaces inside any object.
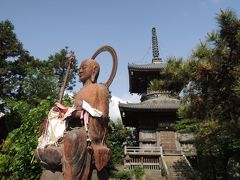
{"x":212,"y":108}
{"x":22,"y":76}
{"x":58,"y":64}
{"x":118,"y":137}
{"x":10,"y":48}
{"x":10,"y":45}
{"x":175,"y":76}
{"x":17,"y":150}
{"x":28,"y":88}
{"x":46,"y":78}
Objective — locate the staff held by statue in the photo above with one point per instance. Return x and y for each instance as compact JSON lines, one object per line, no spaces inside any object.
{"x":71,"y":59}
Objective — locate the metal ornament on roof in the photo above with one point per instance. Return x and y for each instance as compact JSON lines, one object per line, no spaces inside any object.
{"x":155,"y":46}
{"x":114,"y":59}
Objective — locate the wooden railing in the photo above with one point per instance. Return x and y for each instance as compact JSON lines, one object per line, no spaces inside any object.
{"x":164,"y":166}
{"x":146,"y":157}
{"x":152,"y":158}
{"x":131,"y":150}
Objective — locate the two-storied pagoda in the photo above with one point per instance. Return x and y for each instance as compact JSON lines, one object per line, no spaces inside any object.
{"x":153,"y":117}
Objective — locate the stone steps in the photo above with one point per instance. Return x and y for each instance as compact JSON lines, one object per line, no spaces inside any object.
{"x":178,"y":168}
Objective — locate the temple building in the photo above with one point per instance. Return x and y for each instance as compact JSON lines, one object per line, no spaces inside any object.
{"x":159,"y":145}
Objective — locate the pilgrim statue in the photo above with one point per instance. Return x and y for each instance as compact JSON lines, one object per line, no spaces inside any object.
{"x":73,"y":143}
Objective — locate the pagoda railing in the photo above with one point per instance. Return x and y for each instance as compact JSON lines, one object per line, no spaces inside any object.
{"x":154,"y":94}
{"x":146,"y":157}
{"x":136,"y":150}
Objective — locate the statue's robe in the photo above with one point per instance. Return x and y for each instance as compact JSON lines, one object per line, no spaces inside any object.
{"x":78,"y":159}
{"x":77,"y":156}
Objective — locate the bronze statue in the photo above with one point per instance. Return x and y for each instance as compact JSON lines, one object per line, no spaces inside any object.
{"x":82,"y":153}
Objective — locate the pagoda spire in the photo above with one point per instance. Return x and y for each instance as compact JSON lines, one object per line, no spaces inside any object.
{"x":155,"y":49}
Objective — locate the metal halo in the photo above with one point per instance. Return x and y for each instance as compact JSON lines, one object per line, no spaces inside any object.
{"x":114,"y":59}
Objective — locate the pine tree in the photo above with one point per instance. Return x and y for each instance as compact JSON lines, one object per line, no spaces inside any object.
{"x":213,"y":101}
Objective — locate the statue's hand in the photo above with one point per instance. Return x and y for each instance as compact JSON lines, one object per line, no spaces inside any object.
{"x":61,"y":109}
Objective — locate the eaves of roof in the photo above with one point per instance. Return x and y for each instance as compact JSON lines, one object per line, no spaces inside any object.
{"x":148,"y":106}
{"x":147,"y":67}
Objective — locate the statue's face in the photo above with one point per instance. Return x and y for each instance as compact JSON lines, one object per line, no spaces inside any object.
{"x":86,"y":71}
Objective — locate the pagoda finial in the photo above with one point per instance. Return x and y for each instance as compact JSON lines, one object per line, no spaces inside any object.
{"x":155,"y":49}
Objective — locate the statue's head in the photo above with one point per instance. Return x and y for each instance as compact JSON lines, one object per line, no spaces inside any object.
{"x":89,"y":71}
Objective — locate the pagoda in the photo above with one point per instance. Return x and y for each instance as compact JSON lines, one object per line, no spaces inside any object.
{"x":153,"y":117}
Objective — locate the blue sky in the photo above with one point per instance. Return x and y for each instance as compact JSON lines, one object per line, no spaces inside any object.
{"x":46,"y":26}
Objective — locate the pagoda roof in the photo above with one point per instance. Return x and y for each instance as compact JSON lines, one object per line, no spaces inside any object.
{"x":161,"y":103}
{"x":133,"y":112}
{"x":141,"y":75}
{"x":147,"y":67}
{"x":148,"y":107}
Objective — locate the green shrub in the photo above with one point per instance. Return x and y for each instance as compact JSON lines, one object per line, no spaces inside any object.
{"x":138,"y":172}
{"x":123,"y":175}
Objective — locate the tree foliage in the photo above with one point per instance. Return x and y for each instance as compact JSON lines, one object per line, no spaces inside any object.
{"x":58,"y":66}
{"x":28,"y":87}
{"x":118,"y":137}
{"x":210,"y":85}
{"x":23,"y":76}
{"x":212,"y":98}
{"x":174,"y":77}
{"x":10,"y":48}
{"x":10,"y":45}
{"x":17,"y":150}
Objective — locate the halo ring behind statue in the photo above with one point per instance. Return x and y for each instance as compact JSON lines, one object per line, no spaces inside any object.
{"x":114,"y":59}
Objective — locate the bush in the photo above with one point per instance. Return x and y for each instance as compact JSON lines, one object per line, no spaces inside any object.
{"x":138,"y":172}
{"x":123,"y":175}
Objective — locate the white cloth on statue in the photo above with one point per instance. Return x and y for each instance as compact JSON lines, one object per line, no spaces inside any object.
{"x":55,"y":128}
{"x":94,"y":112}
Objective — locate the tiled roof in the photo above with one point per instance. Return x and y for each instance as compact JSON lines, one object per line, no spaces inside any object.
{"x":157,"y":104}
{"x":141,"y":75}
{"x":154,"y":107}
{"x":152,"y":66}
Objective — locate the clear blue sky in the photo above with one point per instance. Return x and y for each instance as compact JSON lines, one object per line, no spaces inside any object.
{"x":46,"y":26}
